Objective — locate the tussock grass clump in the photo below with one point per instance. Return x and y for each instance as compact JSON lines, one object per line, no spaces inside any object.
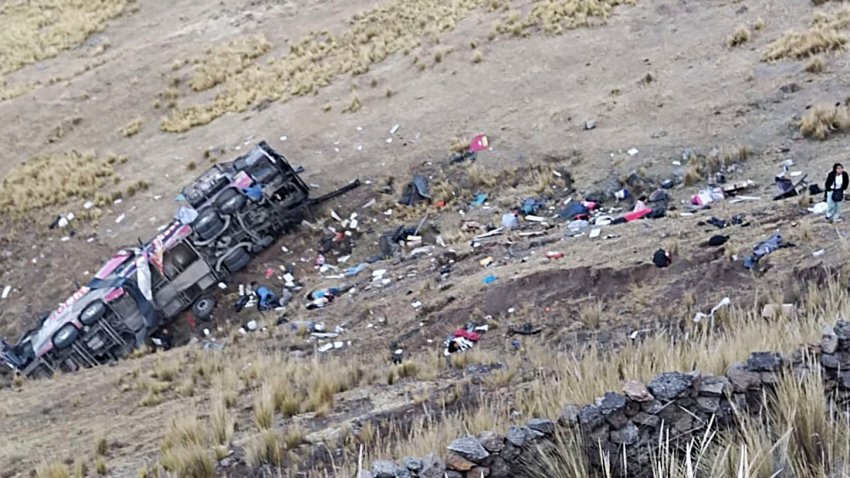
{"x":823,"y":119}
{"x":355,"y":103}
{"x":591,"y":313}
{"x":316,"y":59}
{"x":7,"y":91}
{"x":265,"y":448}
{"x":824,"y":35}
{"x":264,"y":407}
{"x":557,"y":16}
{"x":184,"y":449}
{"x":37,"y":30}
{"x":52,"y":181}
{"x":815,"y":65}
{"x":222,"y":424}
{"x":132,"y":128}
{"x":100,"y":465}
{"x":225,"y":61}
{"x":700,"y":167}
{"x":52,"y":470}
{"x":740,"y":36}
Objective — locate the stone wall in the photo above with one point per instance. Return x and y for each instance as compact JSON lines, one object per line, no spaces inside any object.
{"x":681,"y":404}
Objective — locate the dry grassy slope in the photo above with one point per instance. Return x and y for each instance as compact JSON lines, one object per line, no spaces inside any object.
{"x":532,"y":95}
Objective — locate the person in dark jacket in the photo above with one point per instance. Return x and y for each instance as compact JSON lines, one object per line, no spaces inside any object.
{"x":836,"y":183}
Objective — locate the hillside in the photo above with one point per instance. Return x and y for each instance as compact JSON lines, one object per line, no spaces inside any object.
{"x":116,"y":104}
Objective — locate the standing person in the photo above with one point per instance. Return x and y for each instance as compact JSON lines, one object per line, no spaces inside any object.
{"x":836,"y":183}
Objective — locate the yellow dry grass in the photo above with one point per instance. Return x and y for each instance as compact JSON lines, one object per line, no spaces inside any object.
{"x":740,"y":36}
{"x":370,"y":37}
{"x":34,"y":30}
{"x":823,"y":35}
{"x":823,"y":119}
{"x":557,"y":16}
{"x":132,"y":128}
{"x":314,"y":61}
{"x":52,"y":180}
{"x":228,"y":60}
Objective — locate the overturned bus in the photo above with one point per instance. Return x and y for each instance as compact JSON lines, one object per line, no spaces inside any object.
{"x":235,"y":211}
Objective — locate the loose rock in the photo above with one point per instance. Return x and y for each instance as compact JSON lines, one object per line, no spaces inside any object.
{"x":628,"y":435}
{"x":458,"y":463}
{"x":764,"y":361}
{"x":432,"y":467}
{"x":469,"y":448}
{"x":670,"y":385}
{"x":569,"y":416}
{"x":842,"y":330}
{"x":637,"y":391}
{"x":413,"y":464}
{"x":492,"y":442}
{"x":743,"y":379}
{"x":829,"y":341}
{"x":611,"y":402}
{"x":384,"y":469}
{"x":542,"y":425}
{"x":713,"y":386}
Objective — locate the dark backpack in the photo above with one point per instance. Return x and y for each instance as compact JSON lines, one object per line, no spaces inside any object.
{"x":660,"y":258}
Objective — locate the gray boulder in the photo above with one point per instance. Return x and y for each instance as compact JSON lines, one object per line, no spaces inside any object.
{"x":432,"y":467}
{"x":413,"y":464}
{"x":542,"y":425}
{"x":628,"y":435}
{"x":569,"y":416}
{"x":764,"y":361}
{"x":611,"y":402}
{"x":384,"y":469}
{"x":492,"y":442}
{"x":469,"y":448}
{"x":670,"y":385}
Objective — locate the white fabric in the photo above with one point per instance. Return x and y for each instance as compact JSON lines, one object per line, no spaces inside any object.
{"x":143,"y":276}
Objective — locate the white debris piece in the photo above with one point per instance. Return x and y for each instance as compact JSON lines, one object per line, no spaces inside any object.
{"x":120,"y":218}
{"x":88,"y":205}
{"x":594,"y":233}
{"x":633,"y":152}
{"x":394,"y":129}
{"x":6,"y":291}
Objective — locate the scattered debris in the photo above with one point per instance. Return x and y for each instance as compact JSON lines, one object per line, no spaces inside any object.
{"x":725,"y":302}
{"x":479,"y":143}
{"x":661,"y":258}
{"x":6,"y":291}
{"x":589,"y":125}
{"x":416,"y":191}
{"x":489,"y":279}
{"x":772,"y":311}
{"x":764,"y":248}
{"x":464,"y":339}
